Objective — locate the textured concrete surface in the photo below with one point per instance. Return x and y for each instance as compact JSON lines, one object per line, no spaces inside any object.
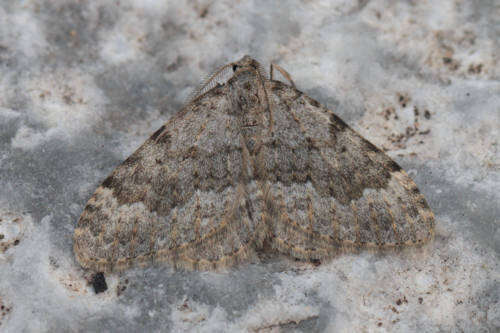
{"x":83,"y":84}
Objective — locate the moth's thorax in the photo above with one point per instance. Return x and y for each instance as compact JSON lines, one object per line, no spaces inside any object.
{"x":247,"y":95}
{"x":250,"y":104}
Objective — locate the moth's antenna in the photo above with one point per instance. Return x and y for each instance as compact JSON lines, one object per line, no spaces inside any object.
{"x":209,"y":82}
{"x":282,"y":71}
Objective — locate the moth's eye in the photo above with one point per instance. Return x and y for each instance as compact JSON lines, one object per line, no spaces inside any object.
{"x":235,"y":67}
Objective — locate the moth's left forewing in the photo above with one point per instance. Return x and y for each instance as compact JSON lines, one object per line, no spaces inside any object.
{"x":176,"y":199}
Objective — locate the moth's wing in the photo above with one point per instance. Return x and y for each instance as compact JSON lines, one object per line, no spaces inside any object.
{"x":180,"y":198}
{"x":330,"y":187}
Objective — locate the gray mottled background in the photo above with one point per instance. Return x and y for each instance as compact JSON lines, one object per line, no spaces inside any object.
{"x":83,"y":83}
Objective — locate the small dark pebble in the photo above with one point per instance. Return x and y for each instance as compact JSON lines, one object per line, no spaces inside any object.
{"x":99,"y":283}
{"x":316,"y":262}
{"x":16,"y":242}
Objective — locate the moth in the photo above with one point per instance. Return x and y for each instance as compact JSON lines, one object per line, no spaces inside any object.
{"x":250,"y":163}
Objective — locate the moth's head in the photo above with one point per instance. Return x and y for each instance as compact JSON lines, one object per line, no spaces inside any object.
{"x":246,"y":67}
{"x":244,"y":64}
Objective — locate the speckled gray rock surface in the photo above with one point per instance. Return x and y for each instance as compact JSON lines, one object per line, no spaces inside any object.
{"x":82,"y":85}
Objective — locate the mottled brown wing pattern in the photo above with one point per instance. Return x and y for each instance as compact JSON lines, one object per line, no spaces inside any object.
{"x":333,"y":188}
{"x":179,"y":198}
{"x":247,"y":164}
